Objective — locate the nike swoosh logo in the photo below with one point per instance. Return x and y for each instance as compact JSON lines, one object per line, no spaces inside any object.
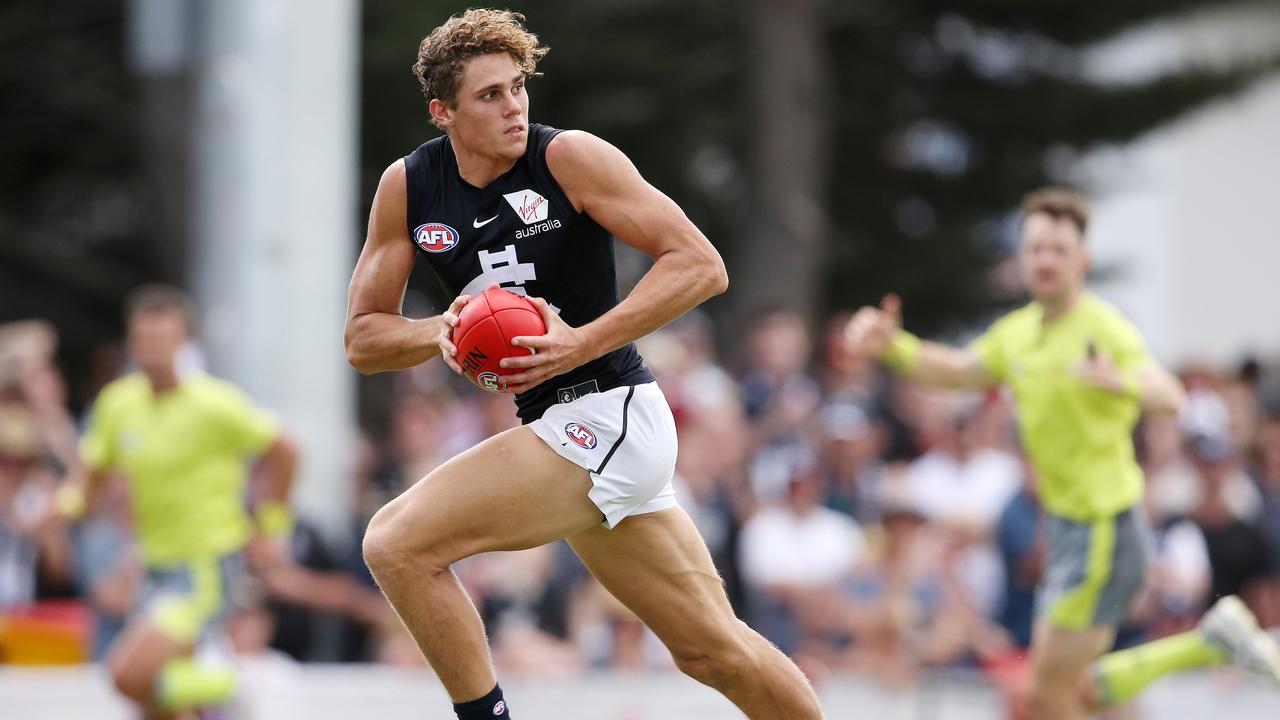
{"x":477,"y":223}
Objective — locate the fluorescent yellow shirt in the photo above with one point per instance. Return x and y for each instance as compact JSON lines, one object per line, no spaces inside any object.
{"x":185,"y":453}
{"x":1079,"y":438}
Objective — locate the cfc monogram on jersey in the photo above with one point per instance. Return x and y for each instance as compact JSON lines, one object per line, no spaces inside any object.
{"x":521,"y":232}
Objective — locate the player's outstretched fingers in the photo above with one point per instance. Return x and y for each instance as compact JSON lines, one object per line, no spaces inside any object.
{"x":862,"y":333}
{"x":891,"y":304}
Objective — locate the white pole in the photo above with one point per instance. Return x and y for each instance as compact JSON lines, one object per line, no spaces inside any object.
{"x":275,"y":226}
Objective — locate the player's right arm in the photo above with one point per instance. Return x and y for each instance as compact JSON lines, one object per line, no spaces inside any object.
{"x":77,"y":494}
{"x":378,"y":337}
{"x":95,"y":460}
{"x":877,"y":332}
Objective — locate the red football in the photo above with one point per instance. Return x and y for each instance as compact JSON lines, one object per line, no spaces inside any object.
{"x":484,"y":331}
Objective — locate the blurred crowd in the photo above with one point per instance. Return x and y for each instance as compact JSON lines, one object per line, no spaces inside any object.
{"x":859,"y":523}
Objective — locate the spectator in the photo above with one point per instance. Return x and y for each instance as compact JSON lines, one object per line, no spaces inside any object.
{"x":703,"y":489}
{"x":1266,"y":472}
{"x":851,"y":458}
{"x":780,"y":398}
{"x":686,"y":368}
{"x":1238,"y":552}
{"x":777,"y":387}
{"x":1244,"y":414}
{"x":419,"y":422}
{"x":32,"y":547}
{"x":1019,"y":537}
{"x":28,"y":370}
{"x":793,"y":552}
{"x":902,"y":611}
{"x":108,"y":567}
{"x":962,"y":483}
{"x":1174,"y":487}
{"x":1179,"y":577}
{"x":845,"y":378}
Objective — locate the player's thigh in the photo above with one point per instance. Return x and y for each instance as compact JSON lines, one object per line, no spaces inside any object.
{"x":510,"y":492}
{"x":180,"y":604}
{"x":659,"y":567}
{"x":137,"y":656}
{"x":1059,"y":656}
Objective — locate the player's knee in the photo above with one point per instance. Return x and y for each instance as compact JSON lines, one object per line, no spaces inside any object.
{"x":1047,"y":698}
{"x":717,"y":662}
{"x":1089,"y":695}
{"x":127,"y":680}
{"x":381,"y":545}
{"x":388,"y":547}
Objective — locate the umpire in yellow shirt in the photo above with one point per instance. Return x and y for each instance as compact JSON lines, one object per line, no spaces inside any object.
{"x":1080,"y":376}
{"x":183,"y":442}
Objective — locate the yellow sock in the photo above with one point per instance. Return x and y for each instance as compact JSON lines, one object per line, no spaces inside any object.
{"x":184,"y":684}
{"x":1122,"y":675}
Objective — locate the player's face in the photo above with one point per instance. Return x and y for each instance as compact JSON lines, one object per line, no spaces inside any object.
{"x":1054,"y":260}
{"x":154,"y":339}
{"x":491,"y":114}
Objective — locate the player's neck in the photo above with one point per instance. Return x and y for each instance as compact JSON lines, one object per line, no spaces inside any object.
{"x":162,"y":381}
{"x":1058,"y":307}
{"x":479,"y":170}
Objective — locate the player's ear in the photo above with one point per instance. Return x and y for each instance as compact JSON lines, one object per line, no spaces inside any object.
{"x":440,"y":112}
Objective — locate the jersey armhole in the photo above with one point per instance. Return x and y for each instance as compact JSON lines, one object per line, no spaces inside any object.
{"x":540,"y":139}
{"x":411,"y":170}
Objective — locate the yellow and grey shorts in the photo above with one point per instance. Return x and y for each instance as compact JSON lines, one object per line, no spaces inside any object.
{"x":189,"y":600}
{"x":1093,"y":570}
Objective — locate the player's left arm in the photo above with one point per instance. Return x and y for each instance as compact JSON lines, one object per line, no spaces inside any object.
{"x":1159,"y":391}
{"x":1126,"y":369}
{"x":279,"y":468}
{"x":254,"y":432}
{"x":272,"y":515}
{"x":602,"y":182}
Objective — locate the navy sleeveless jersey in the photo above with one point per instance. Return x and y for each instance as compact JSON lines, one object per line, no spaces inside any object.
{"x":521,"y":232}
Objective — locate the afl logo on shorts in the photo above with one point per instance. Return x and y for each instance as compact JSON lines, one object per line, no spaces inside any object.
{"x":435,"y":237}
{"x":581,"y":435}
{"x":499,"y":708}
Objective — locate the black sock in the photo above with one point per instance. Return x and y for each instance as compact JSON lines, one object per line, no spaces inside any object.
{"x":486,"y":708}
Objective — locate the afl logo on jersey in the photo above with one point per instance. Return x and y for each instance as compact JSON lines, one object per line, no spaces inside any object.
{"x":435,"y":237}
{"x":581,"y":435}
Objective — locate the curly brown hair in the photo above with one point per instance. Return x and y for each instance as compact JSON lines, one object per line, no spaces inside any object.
{"x":442,"y":55}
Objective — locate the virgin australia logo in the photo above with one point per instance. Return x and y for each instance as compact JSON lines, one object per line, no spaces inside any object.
{"x":535,"y":229}
{"x":529,"y":205}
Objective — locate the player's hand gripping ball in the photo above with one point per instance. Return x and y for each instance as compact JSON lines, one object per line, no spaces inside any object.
{"x":484,"y":331}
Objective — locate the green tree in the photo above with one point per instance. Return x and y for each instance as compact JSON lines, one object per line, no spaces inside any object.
{"x":908,"y":129}
{"x":71,"y":218}
{"x":833,"y":151}
{"x":944,"y":117}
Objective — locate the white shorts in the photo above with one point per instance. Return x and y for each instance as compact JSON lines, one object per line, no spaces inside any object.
{"x":625,"y":438}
